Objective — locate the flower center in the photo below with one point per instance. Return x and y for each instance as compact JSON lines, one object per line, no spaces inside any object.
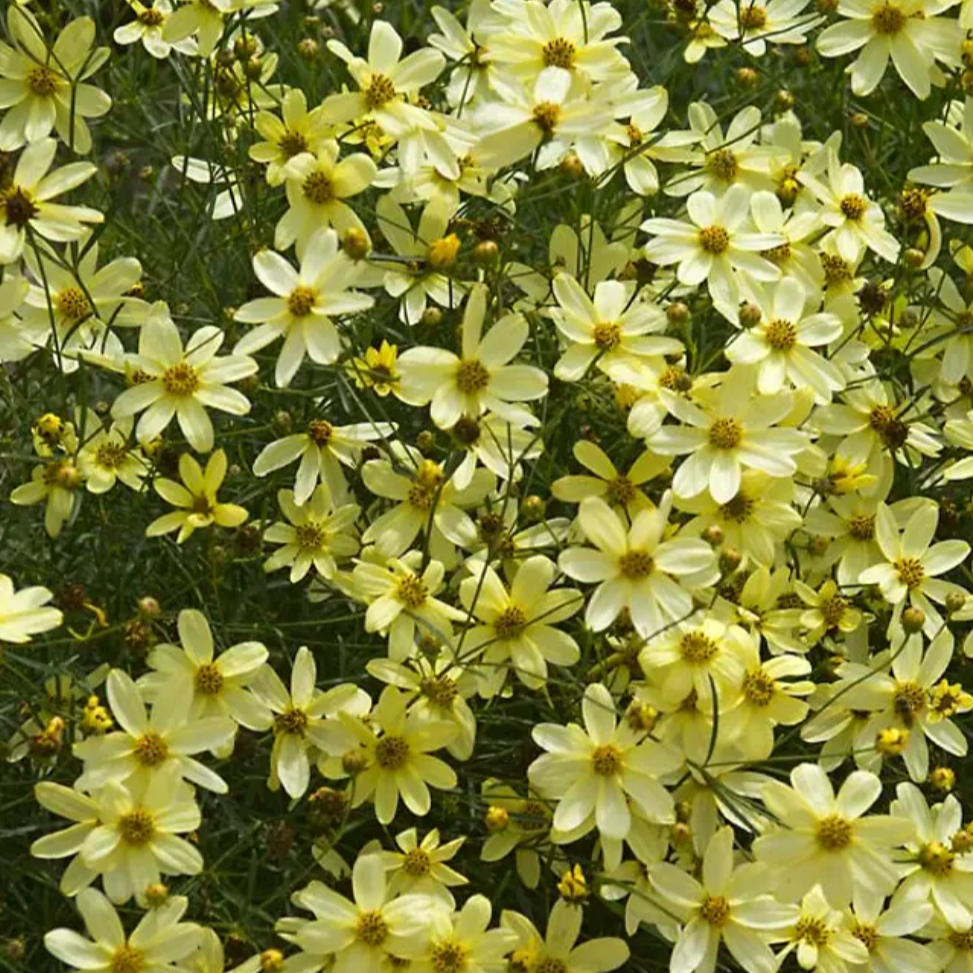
{"x":962,"y":941}
{"x":697,"y":648}
{"x":812,"y":931}
{"x":209,"y":679}
{"x":422,"y":493}
{"x":291,"y":144}
{"x":137,"y":828}
{"x":392,"y":752}
{"x":738,"y":509}
{"x":72,"y":303}
{"x":318,"y":188}
{"x":546,"y":115}
{"x":636,"y":564}
{"x":510,"y":623}
{"x":888,"y":19}
{"x":833,"y":833}
{"x":181,"y":379}
{"x":753,"y":18}
{"x":937,"y":859}
{"x":151,"y":17}
{"x":111,"y":455}
{"x":412,"y":592}
{"x":725,"y":434}
{"x":621,"y":490}
{"x":441,"y":691}
{"x":758,"y":688}
{"x":372,"y":929}
{"x":127,"y":959}
{"x":549,"y":964}
{"x":781,"y":335}
{"x":946,"y":699}
{"x":714,"y":239}
{"x":715,"y":910}
{"x":777,"y":255}
{"x":43,"y":81}
{"x":18,"y":206}
{"x":862,"y":527}
{"x":292,"y":720}
{"x":417,"y":863}
{"x":607,"y":335}
{"x":310,"y":536}
{"x":150,"y":749}
{"x":836,"y":269}
{"x":472,"y":377}
{"x":301,"y":301}
{"x":380,"y":90}
{"x":866,"y":934}
{"x":559,"y":53}
{"x":448,"y":957}
{"x":606,"y":760}
{"x":320,"y":430}
{"x":908,"y":700}
{"x":911,"y":571}
{"x":723,"y":164}
{"x":853,"y":206}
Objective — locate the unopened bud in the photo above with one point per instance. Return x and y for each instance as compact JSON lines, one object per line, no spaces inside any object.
{"x":713,"y":535}
{"x":944,"y":779}
{"x":149,"y":607}
{"x":572,"y":165}
{"x":496,"y":818}
{"x":913,"y":620}
{"x":486,"y":253}
{"x":355,"y":243}
{"x":677,"y":313}
{"x":156,"y":894}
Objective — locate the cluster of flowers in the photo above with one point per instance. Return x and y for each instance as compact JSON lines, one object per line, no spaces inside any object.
{"x":774,"y":566}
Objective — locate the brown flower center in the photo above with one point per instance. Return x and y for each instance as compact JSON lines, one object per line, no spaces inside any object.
{"x":833,"y":833}
{"x":371,"y":928}
{"x":853,"y":206}
{"x":636,"y":564}
{"x":392,"y":752}
{"x":715,"y":910}
{"x":510,"y":623}
{"x":781,"y":335}
{"x":291,"y":144}
{"x":606,"y":760}
{"x":18,"y":206}
{"x":137,"y":828}
{"x":301,"y":301}
{"x":209,"y":679}
{"x":723,"y":164}
{"x":559,"y":53}
{"x":292,"y":720}
{"x":472,"y":377}
{"x":725,"y":434}
{"x":150,"y":749}
{"x":42,"y":81}
{"x":888,"y":19}
{"x":379,"y":92}
{"x":714,"y":239}
{"x":180,"y":379}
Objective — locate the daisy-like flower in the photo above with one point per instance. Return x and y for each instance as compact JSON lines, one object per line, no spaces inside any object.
{"x":713,"y":246}
{"x":882,"y":932}
{"x":85,"y":814}
{"x":479,"y":379}
{"x":828,"y":612}
{"x":911,"y":562}
{"x":299,"y":717}
{"x":794,"y":256}
{"x":463,"y":943}
{"x":146,"y":746}
{"x":296,"y":132}
{"x":323,"y":449}
{"x":56,"y":485}
{"x":196,"y":498}
{"x":158,"y":942}
{"x":46,"y":90}
{"x":559,"y":948}
{"x":377,"y":369}
{"x":908,"y":31}
{"x":319,"y":534}
{"x":830,"y":841}
{"x":818,"y":938}
{"x":938,"y":873}
{"x":781,"y":344}
{"x":191,"y":675}
{"x":107,"y":456}
{"x":26,"y":612}
{"x":634,"y":568}
{"x":728,"y":905}
{"x":303,"y":305}
{"x":753,"y":24}
{"x":402,"y":602}
{"x":27,"y":202}
{"x":620,"y":490}
{"x":425,"y":501}
{"x":317,"y":187}
{"x":148,"y":26}
{"x":593,"y":772}
{"x":204,"y":20}
{"x":182,"y":382}
{"x":418,"y":868}
{"x":726,"y":431}
{"x":857,"y":222}
{"x":374,"y":931}
{"x":517,"y":630}
{"x":613,"y":327}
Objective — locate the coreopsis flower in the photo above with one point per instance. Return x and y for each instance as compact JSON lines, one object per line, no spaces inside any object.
{"x":937,"y":873}
{"x":371,"y":932}
{"x":730,"y":905}
{"x":782,"y":343}
{"x":425,"y":501}
{"x":725,"y":431}
{"x":593,"y":773}
{"x":794,"y":256}
{"x":183,"y":381}
{"x":158,"y":942}
{"x":398,"y":762}
{"x":830,"y":841}
{"x":377,"y":369}
{"x":137,"y":838}
{"x":828,"y":612}
{"x":402,"y":603}
{"x":558,"y":948}
{"x":85,"y":814}
{"x":634,"y":567}
{"x":753,"y":24}
{"x":857,"y":222}
{"x":317,"y":187}
{"x":620,"y":490}
{"x":46,"y":90}
{"x":911,"y":563}
{"x":299,"y":717}
{"x":303,"y":304}
{"x":297,"y":131}
{"x":908,"y":31}
{"x":197,"y":500}
{"x":516,"y":630}
{"x":318,"y":535}
{"x":818,"y":939}
{"x":146,"y":746}
{"x":882,"y":931}
{"x":192,"y":676}
{"x":28,"y":202}
{"x":713,"y":245}
{"x":107,"y":457}
{"x":204,"y":20}
{"x":614,"y":326}
{"x":148,"y":28}
{"x":419,"y":868}
{"x":26,"y":612}
{"x":481,"y":378}
{"x":56,"y":485}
